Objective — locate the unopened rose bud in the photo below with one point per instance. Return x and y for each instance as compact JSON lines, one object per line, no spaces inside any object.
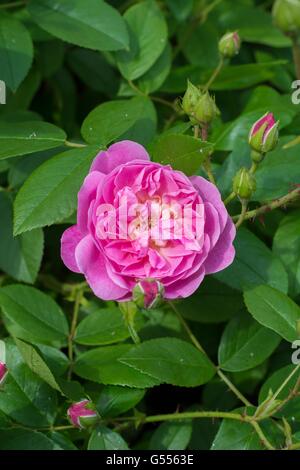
{"x":147,"y":293}
{"x":3,"y":373}
{"x":206,"y":109}
{"x":83,"y":414}
{"x":286,"y":14}
{"x":263,"y":136}
{"x":190,"y":99}
{"x":244,"y":184}
{"x":230,"y":44}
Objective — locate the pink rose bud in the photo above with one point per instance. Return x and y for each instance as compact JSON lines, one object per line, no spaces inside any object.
{"x":83,"y":414}
{"x":3,"y":373}
{"x":263,"y":136}
{"x":230,"y":44}
{"x":147,"y":293}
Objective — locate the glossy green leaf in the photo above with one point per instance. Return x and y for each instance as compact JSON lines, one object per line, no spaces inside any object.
{"x":157,"y":74}
{"x":93,"y":24}
{"x":274,"y":310}
{"x":170,"y":360}
{"x":103,"y":365}
{"x":103,"y":438}
{"x":35,"y":312}
{"x":171,"y":436}
{"x":37,"y":204}
{"x":26,"y":398}
{"x":254,"y":264}
{"x":286,"y":245}
{"x":245,"y":344}
{"x":20,"y":256}
{"x":36,"y":363}
{"x":24,"y":439}
{"x":28,"y":137}
{"x":148,"y":37}
{"x":117,"y":120}
{"x":16,"y":51}
{"x":180,"y":8}
{"x":182,"y":152}
{"x":104,"y":326}
{"x":218,"y":302}
{"x":114,"y":400}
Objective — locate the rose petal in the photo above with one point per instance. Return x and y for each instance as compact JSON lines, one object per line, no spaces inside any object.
{"x":69,"y":240}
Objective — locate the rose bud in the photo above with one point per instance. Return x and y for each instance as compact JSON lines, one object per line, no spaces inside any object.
{"x":190,"y":99}
{"x":286,"y":14}
{"x":3,"y":372}
{"x":83,"y":414}
{"x":244,"y":184}
{"x":263,"y":136}
{"x":230,"y":44}
{"x":148,"y":293}
{"x":206,"y":109}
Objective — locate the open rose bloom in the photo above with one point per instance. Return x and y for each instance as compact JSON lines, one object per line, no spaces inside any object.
{"x":141,"y":220}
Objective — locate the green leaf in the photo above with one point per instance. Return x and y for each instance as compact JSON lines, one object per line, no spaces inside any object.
{"x":92,"y":68}
{"x":279,"y":172}
{"x":206,"y":33}
{"x":157,"y":74}
{"x":37,"y":204}
{"x":232,"y":77}
{"x":104,"y":326}
{"x":235,"y":435}
{"x":170,"y":360}
{"x":103,"y":365}
{"x":245,"y":344}
{"x":16,"y":51}
{"x":148,"y":37}
{"x":181,"y":9}
{"x":93,"y":24}
{"x":36,"y":363}
{"x":35,"y":312}
{"x":292,"y":408}
{"x":114,"y":400}
{"x":21,"y":256}
{"x":171,"y":436}
{"x":26,"y":398}
{"x":286,"y":245}
{"x":24,"y":439}
{"x":274,"y":310}
{"x":254,"y":264}
{"x":103,"y":438}
{"x":28,"y":137}
{"x":116,"y":120}
{"x":255,"y":25}
{"x":218,"y":302}
{"x":182,"y":152}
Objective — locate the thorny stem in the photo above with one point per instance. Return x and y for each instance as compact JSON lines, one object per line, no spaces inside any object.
{"x":20,"y":3}
{"x":229,"y":198}
{"x":271,"y":206}
{"x":241,"y":218}
{"x":78,"y":299}
{"x":214,"y":74}
{"x":296,"y":55}
{"x":196,"y":343}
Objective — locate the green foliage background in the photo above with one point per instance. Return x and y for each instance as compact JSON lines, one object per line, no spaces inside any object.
{"x":81,"y":74}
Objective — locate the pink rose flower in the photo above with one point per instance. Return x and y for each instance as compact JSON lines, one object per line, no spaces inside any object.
{"x":114,"y":255}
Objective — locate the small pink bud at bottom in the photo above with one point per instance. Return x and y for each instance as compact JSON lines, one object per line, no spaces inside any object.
{"x":3,"y":373}
{"x":83,"y":414}
{"x":147,"y":293}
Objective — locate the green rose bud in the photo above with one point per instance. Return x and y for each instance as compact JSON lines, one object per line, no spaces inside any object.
{"x":244,"y":183}
{"x":206,"y":109}
{"x":230,"y":44}
{"x":190,"y":99}
{"x":286,"y":14}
